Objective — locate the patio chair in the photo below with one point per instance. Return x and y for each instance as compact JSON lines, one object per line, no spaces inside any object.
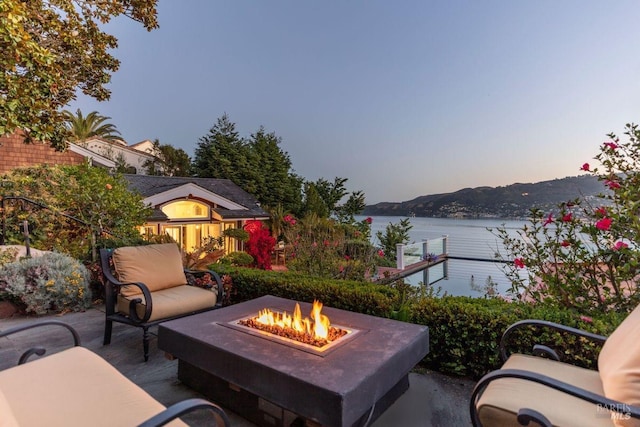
{"x":147,"y":285}
{"x":549,"y":392}
{"x":76,"y":387}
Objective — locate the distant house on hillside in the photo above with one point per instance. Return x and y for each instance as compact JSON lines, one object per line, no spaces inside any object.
{"x":187,"y":209}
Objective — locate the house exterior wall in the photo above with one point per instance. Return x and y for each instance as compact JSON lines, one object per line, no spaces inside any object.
{"x":132,"y":157}
{"x":14,"y":153}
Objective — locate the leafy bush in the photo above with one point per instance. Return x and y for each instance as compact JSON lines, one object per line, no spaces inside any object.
{"x":362,"y":297}
{"x":465,"y":333}
{"x":90,"y":194}
{"x":240,"y":259}
{"x":586,"y":254}
{"x":50,"y":283}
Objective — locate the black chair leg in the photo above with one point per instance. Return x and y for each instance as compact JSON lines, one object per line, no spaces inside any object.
{"x":145,"y":343}
{"x":107,"y":332}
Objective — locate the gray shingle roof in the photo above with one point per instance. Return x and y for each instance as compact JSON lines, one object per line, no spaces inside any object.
{"x":149,"y":185}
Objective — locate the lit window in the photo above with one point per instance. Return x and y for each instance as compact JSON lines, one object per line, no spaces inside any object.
{"x":186,"y":209}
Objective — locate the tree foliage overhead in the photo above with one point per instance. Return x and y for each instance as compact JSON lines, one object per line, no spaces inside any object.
{"x":51,"y":48}
{"x":92,"y":125}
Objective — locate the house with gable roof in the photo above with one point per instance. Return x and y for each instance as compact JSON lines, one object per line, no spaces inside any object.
{"x":185,"y":208}
{"x":192,"y":209}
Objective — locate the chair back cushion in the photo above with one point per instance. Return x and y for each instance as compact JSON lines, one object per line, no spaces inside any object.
{"x":619,"y":365}
{"x":157,"y":266}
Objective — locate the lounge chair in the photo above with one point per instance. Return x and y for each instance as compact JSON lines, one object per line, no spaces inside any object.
{"x":550,"y":392}
{"x":147,"y":285}
{"x":76,"y":387}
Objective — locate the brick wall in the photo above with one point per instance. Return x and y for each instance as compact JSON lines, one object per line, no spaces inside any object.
{"x":14,"y":153}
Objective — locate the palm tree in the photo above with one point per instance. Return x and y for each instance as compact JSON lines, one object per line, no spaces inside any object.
{"x":93,"y":124}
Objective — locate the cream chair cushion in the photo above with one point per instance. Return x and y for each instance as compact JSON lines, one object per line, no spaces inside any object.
{"x":157,"y":266}
{"x":619,"y":365}
{"x":170,"y":302}
{"x":75,"y":387}
{"x":7,"y":419}
{"x":500,"y":402}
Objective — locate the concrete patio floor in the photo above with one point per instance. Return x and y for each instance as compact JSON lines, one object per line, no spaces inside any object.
{"x":433,"y":399}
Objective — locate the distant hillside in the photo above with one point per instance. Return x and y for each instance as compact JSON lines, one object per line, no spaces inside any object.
{"x":512,"y":201}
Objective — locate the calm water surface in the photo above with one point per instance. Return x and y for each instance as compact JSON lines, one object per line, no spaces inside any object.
{"x":466,"y":238}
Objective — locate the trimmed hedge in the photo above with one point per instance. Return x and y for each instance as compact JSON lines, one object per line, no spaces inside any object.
{"x":464,"y":332}
{"x":361,"y":297}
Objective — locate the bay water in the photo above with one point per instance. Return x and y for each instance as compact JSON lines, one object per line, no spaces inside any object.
{"x":468,"y":238}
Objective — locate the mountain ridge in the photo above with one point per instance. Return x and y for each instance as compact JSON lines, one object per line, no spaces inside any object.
{"x":511,"y":201}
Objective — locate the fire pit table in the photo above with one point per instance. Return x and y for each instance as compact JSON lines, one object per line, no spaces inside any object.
{"x":277,"y":382}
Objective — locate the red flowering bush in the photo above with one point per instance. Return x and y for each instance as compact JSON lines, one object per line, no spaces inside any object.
{"x":585,"y":255}
{"x":260,"y":244}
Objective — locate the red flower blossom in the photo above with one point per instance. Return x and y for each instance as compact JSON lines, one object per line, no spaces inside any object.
{"x":604,"y":224}
{"x":567,"y":218}
{"x":612,"y":184}
{"x":611,"y":145}
{"x":325,"y":242}
{"x":380,"y":253}
{"x":347,"y":257}
{"x":585,"y":167}
{"x":620,"y":245}
{"x":601,"y":211}
{"x":565,"y":243}
{"x":519,"y":262}
{"x":289,"y":219}
{"x":369,"y":220}
{"x":549,"y":220}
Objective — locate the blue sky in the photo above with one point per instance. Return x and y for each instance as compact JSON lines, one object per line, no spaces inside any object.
{"x":403,"y":98}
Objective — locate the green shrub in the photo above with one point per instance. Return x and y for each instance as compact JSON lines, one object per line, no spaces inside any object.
{"x":240,"y":259}
{"x":465,"y":333}
{"x":50,"y":283}
{"x":349,"y":295}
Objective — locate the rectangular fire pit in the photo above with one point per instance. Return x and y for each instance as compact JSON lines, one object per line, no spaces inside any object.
{"x":273,"y":382}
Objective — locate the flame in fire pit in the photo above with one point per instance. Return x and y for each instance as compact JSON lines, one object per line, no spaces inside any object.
{"x":316,"y":331}
{"x":318,"y":328}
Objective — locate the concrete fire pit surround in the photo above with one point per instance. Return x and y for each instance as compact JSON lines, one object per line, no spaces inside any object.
{"x":356,"y":381}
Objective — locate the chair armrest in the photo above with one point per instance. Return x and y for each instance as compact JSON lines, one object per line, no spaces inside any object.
{"x":40,"y":351}
{"x":504,"y":341}
{"x":532,"y":415}
{"x":176,"y":410}
{"x":218,"y":283}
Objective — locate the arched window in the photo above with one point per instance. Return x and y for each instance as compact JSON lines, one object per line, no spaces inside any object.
{"x":186,"y":209}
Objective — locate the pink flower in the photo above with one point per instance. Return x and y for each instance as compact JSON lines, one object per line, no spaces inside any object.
{"x":519,"y":262}
{"x":549,"y":220}
{"x":314,"y":244}
{"x":601,"y":211}
{"x":369,"y":220}
{"x":108,"y":187}
{"x":611,"y":145}
{"x":604,"y":224}
{"x":586,"y":319}
{"x":289,"y":219}
{"x":620,"y":245}
{"x":380,"y":253}
{"x":585,"y":167}
{"x":566,"y":218}
{"x":347,"y":257}
{"x":565,"y":243}
{"x":612,"y":184}
{"x":325,"y":242}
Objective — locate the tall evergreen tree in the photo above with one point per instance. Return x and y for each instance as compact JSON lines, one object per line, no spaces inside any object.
{"x":221,"y":153}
